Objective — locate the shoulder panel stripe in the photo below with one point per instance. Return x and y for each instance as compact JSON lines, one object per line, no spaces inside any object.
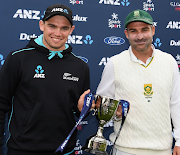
{"x":74,"y":54}
{"x":22,"y":50}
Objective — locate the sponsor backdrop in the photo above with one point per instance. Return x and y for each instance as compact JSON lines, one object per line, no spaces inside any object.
{"x":98,"y":35}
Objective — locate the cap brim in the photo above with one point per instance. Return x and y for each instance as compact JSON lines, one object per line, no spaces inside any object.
{"x":139,"y":20}
{"x":57,"y":13}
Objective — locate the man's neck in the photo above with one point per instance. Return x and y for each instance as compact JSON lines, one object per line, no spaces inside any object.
{"x":143,"y":55}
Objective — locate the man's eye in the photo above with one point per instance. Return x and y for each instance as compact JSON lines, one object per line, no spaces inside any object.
{"x":65,"y":28}
{"x":52,"y":26}
{"x":132,"y":31}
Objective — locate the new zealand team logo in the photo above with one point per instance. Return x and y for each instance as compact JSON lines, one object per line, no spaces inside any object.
{"x":148,"y":90}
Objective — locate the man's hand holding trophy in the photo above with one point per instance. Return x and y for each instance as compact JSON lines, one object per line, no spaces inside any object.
{"x":105,"y":110}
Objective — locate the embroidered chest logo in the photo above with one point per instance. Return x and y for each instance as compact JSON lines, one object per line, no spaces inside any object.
{"x":39,"y":72}
{"x":148,"y":91}
{"x":68,"y":76}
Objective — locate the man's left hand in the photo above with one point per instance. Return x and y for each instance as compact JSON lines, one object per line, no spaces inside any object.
{"x":176,"y":150}
{"x":81,"y":100}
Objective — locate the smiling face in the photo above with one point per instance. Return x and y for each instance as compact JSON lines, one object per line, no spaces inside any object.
{"x":140,"y":36}
{"x":55,"y":32}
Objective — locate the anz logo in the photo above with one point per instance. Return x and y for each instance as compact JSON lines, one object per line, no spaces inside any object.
{"x":39,"y":72}
{"x":104,"y":61}
{"x":88,"y":40}
{"x":1,"y":59}
{"x":27,"y":14}
{"x":125,"y":3}
{"x":157,"y":42}
{"x":115,"y":2}
{"x":173,"y":25}
{"x":76,"y":39}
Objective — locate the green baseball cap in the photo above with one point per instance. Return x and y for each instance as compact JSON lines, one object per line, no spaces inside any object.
{"x":138,"y":15}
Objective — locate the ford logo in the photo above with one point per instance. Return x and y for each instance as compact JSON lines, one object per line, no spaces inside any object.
{"x":83,"y":58}
{"x":114,"y":40}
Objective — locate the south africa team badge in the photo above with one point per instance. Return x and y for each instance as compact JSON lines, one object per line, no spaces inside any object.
{"x":148,"y":91}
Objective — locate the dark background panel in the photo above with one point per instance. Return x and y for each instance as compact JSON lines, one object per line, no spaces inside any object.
{"x":17,"y":28}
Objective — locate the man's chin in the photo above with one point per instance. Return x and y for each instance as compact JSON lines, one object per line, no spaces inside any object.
{"x":55,"y":48}
{"x":141,"y":49}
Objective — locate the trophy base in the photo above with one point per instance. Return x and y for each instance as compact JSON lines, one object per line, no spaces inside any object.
{"x":96,"y":144}
{"x":96,"y":152}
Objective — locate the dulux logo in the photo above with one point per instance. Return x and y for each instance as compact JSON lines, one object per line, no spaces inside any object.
{"x":155,"y":24}
{"x":113,"y":40}
{"x":79,"y":18}
{"x":24,"y":36}
{"x":174,"y":43}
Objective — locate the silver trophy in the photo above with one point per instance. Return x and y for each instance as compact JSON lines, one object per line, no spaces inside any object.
{"x":97,"y":144}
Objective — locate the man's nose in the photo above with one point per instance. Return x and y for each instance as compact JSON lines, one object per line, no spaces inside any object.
{"x":139,"y":36}
{"x":58,"y":32}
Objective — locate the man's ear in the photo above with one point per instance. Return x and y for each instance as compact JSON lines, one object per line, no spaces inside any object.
{"x":153,"y":30}
{"x":126,"y":33}
{"x":41,"y":25}
{"x":72,"y":29}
